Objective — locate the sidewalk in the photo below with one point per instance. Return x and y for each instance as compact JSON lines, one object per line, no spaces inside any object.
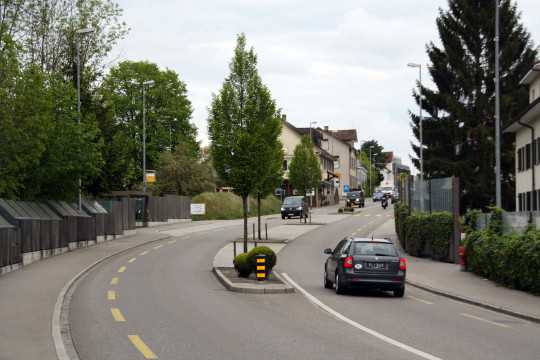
{"x":31,"y":329}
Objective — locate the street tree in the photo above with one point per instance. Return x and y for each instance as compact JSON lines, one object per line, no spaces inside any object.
{"x":167,"y":118}
{"x":377,"y":162}
{"x":458,"y":122}
{"x":243,"y":128}
{"x":184,"y":172}
{"x":305,"y":169}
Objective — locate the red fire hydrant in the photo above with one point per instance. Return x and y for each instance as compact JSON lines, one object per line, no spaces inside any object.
{"x":462,"y":259}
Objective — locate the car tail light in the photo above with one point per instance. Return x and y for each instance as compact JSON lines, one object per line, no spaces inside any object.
{"x":348,"y":261}
{"x":402,"y":264}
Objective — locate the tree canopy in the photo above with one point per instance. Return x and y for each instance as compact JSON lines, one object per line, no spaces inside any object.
{"x":305,"y":169}
{"x":459,"y":125}
{"x":243,"y":126}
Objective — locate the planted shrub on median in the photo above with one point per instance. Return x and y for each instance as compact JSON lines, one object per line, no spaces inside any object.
{"x":271,"y":258}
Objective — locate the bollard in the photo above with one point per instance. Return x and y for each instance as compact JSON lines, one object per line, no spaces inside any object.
{"x":261,"y":267}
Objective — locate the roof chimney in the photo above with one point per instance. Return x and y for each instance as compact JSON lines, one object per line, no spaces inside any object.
{"x":283,"y":117}
{"x":326,"y":128}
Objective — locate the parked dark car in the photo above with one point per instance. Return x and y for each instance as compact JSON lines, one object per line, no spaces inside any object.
{"x":377,"y":196}
{"x":294,"y":206}
{"x":365,"y":263}
{"x":355,"y":198}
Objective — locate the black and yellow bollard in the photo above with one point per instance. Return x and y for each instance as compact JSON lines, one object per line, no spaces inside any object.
{"x":261,"y":267}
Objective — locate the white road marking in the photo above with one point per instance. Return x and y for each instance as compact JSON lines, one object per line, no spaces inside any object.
{"x":341,"y":317}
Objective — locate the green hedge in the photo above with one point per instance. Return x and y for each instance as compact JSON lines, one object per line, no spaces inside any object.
{"x":511,"y":260}
{"x":271,"y":258}
{"x":420,"y":231}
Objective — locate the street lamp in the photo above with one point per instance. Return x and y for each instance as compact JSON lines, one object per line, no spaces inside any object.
{"x":149,"y":83}
{"x":370,"y":192}
{"x":421,"y":143}
{"x":79,"y":33}
{"x":313,"y":122}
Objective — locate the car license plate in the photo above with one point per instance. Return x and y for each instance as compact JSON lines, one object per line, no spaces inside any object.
{"x":376,"y":265}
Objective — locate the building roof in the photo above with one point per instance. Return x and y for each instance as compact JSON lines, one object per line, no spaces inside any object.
{"x":389,"y":156}
{"x":533,"y":73}
{"x":527,"y":116}
{"x":346,"y":135}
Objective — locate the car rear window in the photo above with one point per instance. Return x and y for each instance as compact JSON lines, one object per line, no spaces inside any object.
{"x":374,"y":248}
{"x":353,"y":194}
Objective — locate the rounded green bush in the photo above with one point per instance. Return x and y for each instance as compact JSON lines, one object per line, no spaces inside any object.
{"x":271,"y":258}
{"x":241,"y":265}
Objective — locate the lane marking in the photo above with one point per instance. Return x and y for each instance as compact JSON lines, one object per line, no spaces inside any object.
{"x":423,"y":301}
{"x":157,"y":247}
{"x":186,"y":237}
{"x":202,"y":233}
{"x":141,"y":346}
{"x":218,"y":230}
{"x":144,"y":253}
{"x":172,"y":242}
{"x":114,"y":281}
{"x":132,"y":260}
{"x":367,"y":215}
{"x":111,"y":295}
{"x":484,"y":320}
{"x":378,"y":215}
{"x":117,"y":314}
{"x":122,"y":269}
{"x":339,"y":316}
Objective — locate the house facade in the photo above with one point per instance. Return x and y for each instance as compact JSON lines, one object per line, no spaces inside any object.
{"x":290,"y":137}
{"x":340,"y":143}
{"x":526,"y":127}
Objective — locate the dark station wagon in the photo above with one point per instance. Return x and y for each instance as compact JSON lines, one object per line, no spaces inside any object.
{"x":365,"y":263}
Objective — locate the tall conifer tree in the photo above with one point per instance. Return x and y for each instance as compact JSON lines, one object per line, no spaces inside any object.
{"x":459,"y":124}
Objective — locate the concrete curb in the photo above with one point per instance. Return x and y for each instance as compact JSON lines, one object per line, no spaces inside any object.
{"x":286,"y":288}
{"x":466,"y":300}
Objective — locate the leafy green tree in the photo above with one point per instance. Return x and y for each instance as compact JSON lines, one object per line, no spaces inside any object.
{"x":241,"y":122}
{"x":459,"y":124}
{"x":378,"y":162}
{"x":168,"y":112}
{"x":184,"y":172}
{"x":305,"y":169}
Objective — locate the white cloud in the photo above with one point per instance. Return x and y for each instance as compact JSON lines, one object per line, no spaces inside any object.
{"x":342,"y":64}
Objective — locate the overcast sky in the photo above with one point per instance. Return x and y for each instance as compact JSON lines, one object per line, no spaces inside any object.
{"x":340,"y":63}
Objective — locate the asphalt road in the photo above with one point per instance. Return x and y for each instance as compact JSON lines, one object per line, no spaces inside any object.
{"x":163,"y":301}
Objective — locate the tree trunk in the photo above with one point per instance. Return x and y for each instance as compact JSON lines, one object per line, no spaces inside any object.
{"x":244,"y":202}
{"x":259,"y":214}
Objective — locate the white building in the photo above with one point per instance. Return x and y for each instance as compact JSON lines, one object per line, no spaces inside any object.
{"x":526,"y":126}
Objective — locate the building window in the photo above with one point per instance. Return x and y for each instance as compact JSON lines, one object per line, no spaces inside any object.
{"x":519,"y":163}
{"x":285,"y":165}
{"x":527,"y":156}
{"x":520,"y":202}
{"x":528,"y":201}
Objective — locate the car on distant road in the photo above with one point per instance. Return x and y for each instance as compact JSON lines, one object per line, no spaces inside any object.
{"x":377,"y":196}
{"x":355,"y":198}
{"x":294,"y":206}
{"x":365,"y":263}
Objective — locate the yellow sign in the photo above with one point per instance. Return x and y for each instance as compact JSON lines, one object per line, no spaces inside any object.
{"x":338,"y":175}
{"x":150,"y":176}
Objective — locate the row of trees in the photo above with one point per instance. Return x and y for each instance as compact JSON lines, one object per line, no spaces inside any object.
{"x":459,"y":126}
{"x":43,"y":150}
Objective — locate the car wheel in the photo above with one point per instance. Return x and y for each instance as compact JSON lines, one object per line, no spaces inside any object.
{"x":340,"y":289}
{"x":327,"y":283}
{"x":399,"y":293}
{"x":283,"y":216}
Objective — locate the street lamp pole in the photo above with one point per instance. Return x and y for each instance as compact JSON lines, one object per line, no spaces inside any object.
{"x":79,"y":33}
{"x":149,"y":83}
{"x":313,"y":122}
{"x":370,"y":191}
{"x":421,"y":140}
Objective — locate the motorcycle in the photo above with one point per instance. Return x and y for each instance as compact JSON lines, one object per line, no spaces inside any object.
{"x":384,"y":203}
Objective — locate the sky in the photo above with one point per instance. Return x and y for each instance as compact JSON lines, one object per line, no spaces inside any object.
{"x":341,"y":64}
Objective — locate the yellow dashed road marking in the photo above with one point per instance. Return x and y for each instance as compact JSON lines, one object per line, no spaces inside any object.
{"x":111,"y":295}
{"x":144,"y":253}
{"x":132,"y":260}
{"x":186,"y":237}
{"x":423,"y":301}
{"x":484,"y":320}
{"x":202,"y":233}
{"x":122,"y":269}
{"x":114,"y":281}
{"x":218,"y":230}
{"x":159,"y":246}
{"x":141,"y":346}
{"x":117,"y":315}
{"x":172,"y":242}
